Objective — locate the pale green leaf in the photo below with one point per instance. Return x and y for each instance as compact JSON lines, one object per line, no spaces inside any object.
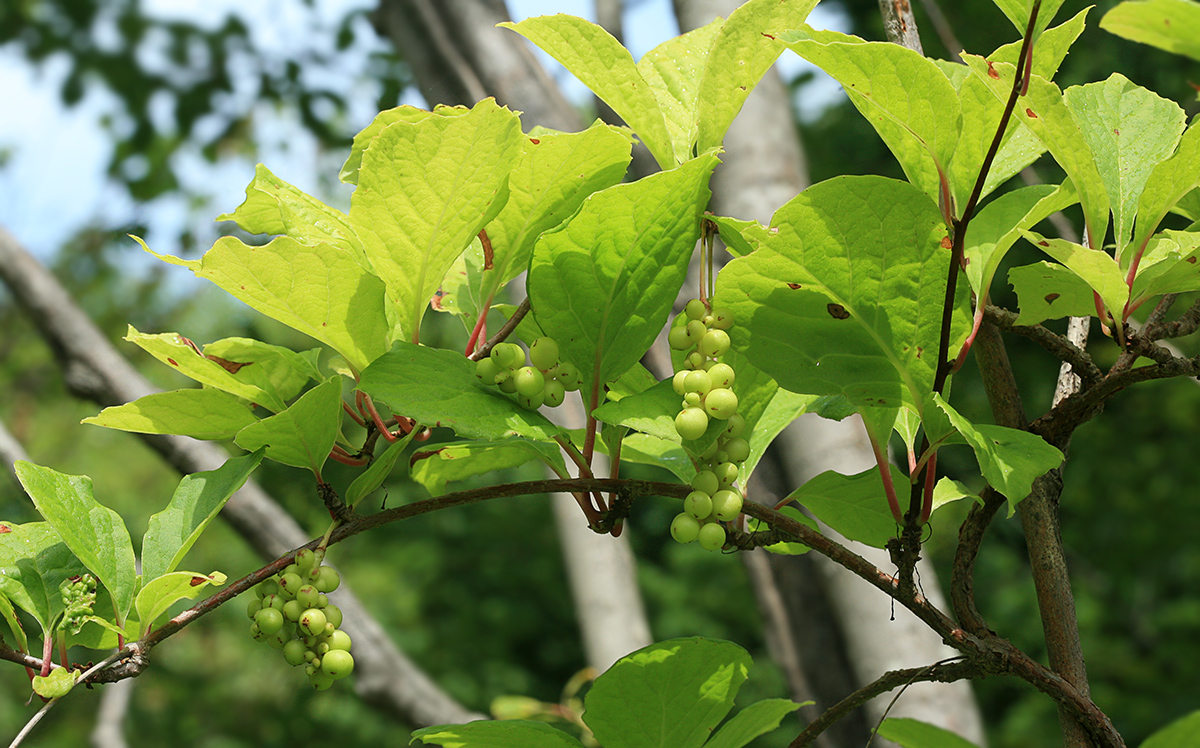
{"x":1182,"y":733}
{"x":34,"y":561}
{"x":854,"y":505}
{"x":1051,"y":47}
{"x":434,"y":468}
{"x":508,"y":733}
{"x":1169,"y":182}
{"x":1130,"y":130}
{"x":668,"y":695}
{"x":159,"y":594}
{"x":437,"y":387}
{"x":604,"y":66}
{"x":378,"y":471}
{"x":200,"y":414}
{"x":1047,"y":290}
{"x":95,"y":534}
{"x":603,"y":284}
{"x":195,"y":503}
{"x":304,"y":433}
{"x":362,"y":141}
{"x":14,"y":622}
{"x":55,"y":685}
{"x":1018,"y":11}
{"x":1173,"y":25}
{"x":757,"y":719}
{"x":740,"y":237}
{"x":784,"y":548}
{"x":981,"y":112}
{"x":905,"y":97}
{"x":1095,"y":266}
{"x":743,"y":51}
{"x":278,"y":370}
{"x":1171,"y":264}
{"x":947,"y":491}
{"x":644,"y":449}
{"x":912,"y":733}
{"x":674,"y":70}
{"x":998,"y":225}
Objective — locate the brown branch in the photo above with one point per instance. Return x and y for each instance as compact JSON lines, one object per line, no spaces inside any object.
{"x":1054,"y":344}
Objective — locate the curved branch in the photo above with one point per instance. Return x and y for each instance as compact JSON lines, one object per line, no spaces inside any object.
{"x":1056,"y":345}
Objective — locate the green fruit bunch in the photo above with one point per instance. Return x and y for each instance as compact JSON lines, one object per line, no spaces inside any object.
{"x":291,"y":612}
{"x":706,"y":384}
{"x":543,"y":381}
{"x":78,"y":596}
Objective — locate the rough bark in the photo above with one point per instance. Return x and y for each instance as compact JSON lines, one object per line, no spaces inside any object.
{"x":94,"y":370}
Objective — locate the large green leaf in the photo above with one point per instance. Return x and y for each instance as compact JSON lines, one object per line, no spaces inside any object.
{"x":1173,"y":25}
{"x":854,"y":505}
{"x":34,"y":561}
{"x":320,"y":289}
{"x":1182,"y":733}
{"x":912,"y":733}
{"x":651,"y":412}
{"x":1171,"y":264}
{"x":1169,"y":182}
{"x":1048,"y":290}
{"x":1130,"y":130}
{"x":1043,"y":111}
{"x":434,"y":468}
{"x":437,"y":387}
{"x":95,"y":534}
{"x":743,"y":51}
{"x":981,"y":113}
{"x":508,"y":733}
{"x":378,"y":471}
{"x":278,"y":370}
{"x":606,"y":67}
{"x":846,"y":297}
{"x":9,"y":614}
{"x":159,"y":594}
{"x":756,"y":719}
{"x":905,"y":97}
{"x":603,"y":284}
{"x":425,"y":190}
{"x":198,"y":413}
{"x":1095,"y":266}
{"x":1018,"y":11}
{"x":668,"y":695}
{"x":1051,"y":47}
{"x":197,"y":499}
{"x":674,"y":70}
{"x":362,"y":140}
{"x":303,"y":434}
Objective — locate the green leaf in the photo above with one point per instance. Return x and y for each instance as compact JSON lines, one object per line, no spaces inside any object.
{"x":744,"y":50}
{"x":1051,"y":47}
{"x":784,"y":548}
{"x":981,"y":113}
{"x":1047,"y":290}
{"x":160,"y":593}
{"x":425,"y":190}
{"x":1009,"y":459}
{"x":437,"y":387}
{"x":509,"y":733}
{"x":378,"y":471}
{"x":905,"y":97}
{"x":1171,"y":264}
{"x":302,"y":435}
{"x":434,"y":468}
{"x":998,"y":225}
{"x":1189,"y":206}
{"x":1130,"y":130}
{"x":651,"y":412}
{"x":200,"y":414}
{"x":668,"y":695}
{"x":1044,"y":112}
{"x":1095,"y":266}
{"x":674,"y":71}
{"x":603,"y":284}
{"x":552,"y":177}
{"x":34,"y":561}
{"x":182,"y":355}
{"x":362,"y":140}
{"x":1182,"y":733}
{"x":644,"y":449}
{"x":95,"y":534}
{"x":1018,"y":12}
{"x":197,"y":499}
{"x":1173,"y":25}
{"x":1169,"y":182}
{"x":756,"y":719}
{"x":603,"y":65}
{"x":55,"y":685}
{"x":947,"y":491}
{"x":912,"y":733}
{"x":14,"y":622}
{"x":278,"y":370}
{"x":854,"y":505}
{"x":846,"y":298}
{"x":273,"y":206}
{"x":740,"y":237}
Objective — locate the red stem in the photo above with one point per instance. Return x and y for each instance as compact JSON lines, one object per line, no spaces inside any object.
{"x":930,"y":482}
{"x":480,"y":327}
{"x":350,"y":411}
{"x":885,"y":473}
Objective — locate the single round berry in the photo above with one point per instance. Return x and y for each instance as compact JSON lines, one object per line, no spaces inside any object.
{"x":569,"y":375}
{"x":267,"y":587}
{"x":273,"y":601}
{"x":507,"y":385}
{"x":692,"y":400}
{"x":691,"y":423}
{"x":487,"y":369}
{"x":312,"y":621}
{"x":735,"y":427}
{"x":531,"y":402}
{"x":292,"y":610}
{"x":508,"y":355}
{"x":698,"y":504}
{"x":339,"y":640}
{"x":543,"y":353}
{"x":329,"y":580}
{"x":269,"y":621}
{"x":294,"y":651}
{"x":337,"y":663}
{"x":678,"y":339}
{"x":305,"y":559}
{"x":720,"y":403}
{"x":685,"y":528}
{"x":529,"y":381}
{"x":320,"y":681}
{"x":722,"y":318}
{"x":721,"y":375}
{"x":727,"y":504}
{"x":737,"y":449}
{"x":695,"y":309}
{"x":695,"y":360}
{"x":677,"y":382}
{"x":726,"y":473}
{"x":712,"y":537}
{"x":695,"y":331}
{"x":698,"y":381}
{"x":253,"y":607}
{"x":307,"y":596}
{"x":289,"y":584}
{"x":333,"y":614}
{"x":705,"y":481}
{"x":554,"y":393}
{"x":714,"y":343}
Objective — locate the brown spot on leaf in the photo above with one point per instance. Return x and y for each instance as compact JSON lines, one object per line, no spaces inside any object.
{"x":172,"y":362}
{"x":233,"y":367}
{"x":421,"y":456}
{"x":947,"y":242}
{"x":837,"y":311}
{"x":920,"y":350}
{"x":1030,"y":113}
{"x":535,"y":141}
{"x":4,"y":529}
{"x":1050,"y":297}
{"x":992,"y":71}
{"x":436,"y":301}
{"x":488,"y":254}
{"x":1192,"y":260}
{"x":794,"y":286}
{"x":769,"y":36}
{"x":1116,"y":131}
{"x":197,"y":581}
{"x":1043,"y":243}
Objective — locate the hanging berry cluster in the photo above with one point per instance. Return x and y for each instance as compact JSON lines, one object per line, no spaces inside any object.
{"x":705,"y":383}
{"x":545,"y":381}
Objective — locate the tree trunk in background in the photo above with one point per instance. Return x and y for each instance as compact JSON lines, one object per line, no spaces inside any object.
{"x":763,"y":168}
{"x":458,"y":57}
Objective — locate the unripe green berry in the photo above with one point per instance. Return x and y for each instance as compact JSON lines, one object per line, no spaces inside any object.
{"x":529,"y":381}
{"x":695,"y":309}
{"x":714,"y":343}
{"x":685,"y":528}
{"x":329,"y":580}
{"x":508,"y":355}
{"x":531,"y":402}
{"x":322,"y":600}
{"x":507,"y":385}
{"x":727,"y":504}
{"x":695,"y":360}
{"x":712,"y":537}
{"x":678,"y":339}
{"x":677,"y":382}
{"x":339,"y":640}
{"x":289,"y":584}
{"x":705,"y":481}
{"x":543,"y":353}
{"x":307,"y":596}
{"x":253,"y":607}
{"x":698,"y":504}
{"x":305,"y":559}
{"x":273,"y":601}
{"x":726,"y":473}
{"x":735,"y":426}
{"x":293,"y":652}
{"x":554,"y":393}
{"x":569,"y":375}
{"x":320,"y":681}
{"x":337,"y":663}
{"x":721,"y":375}
{"x":691,"y":400}
{"x":721,"y":403}
{"x":695,"y":331}
{"x":737,"y":449}
{"x":269,"y":621}
{"x":487,"y":369}
{"x":267,"y":587}
{"x":698,"y":382}
{"x":333,"y":614}
{"x":293,"y":609}
{"x":722,"y":318}
{"x":313,"y":621}
{"x":691,"y":423}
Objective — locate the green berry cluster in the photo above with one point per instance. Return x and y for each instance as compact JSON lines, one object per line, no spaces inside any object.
{"x":78,"y":596}
{"x":291,"y":612}
{"x":705,"y":382}
{"x":543,"y":381}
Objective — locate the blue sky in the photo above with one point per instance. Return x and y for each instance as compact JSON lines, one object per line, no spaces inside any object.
{"x":52,"y":159}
